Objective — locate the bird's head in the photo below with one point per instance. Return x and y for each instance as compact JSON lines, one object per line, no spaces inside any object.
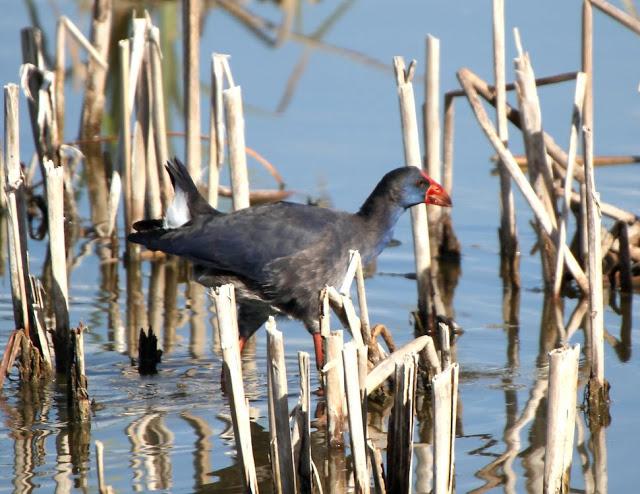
{"x":418,"y":187}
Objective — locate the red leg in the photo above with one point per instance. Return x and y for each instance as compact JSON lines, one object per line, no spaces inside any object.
{"x":241,"y":342}
{"x":317,"y":345}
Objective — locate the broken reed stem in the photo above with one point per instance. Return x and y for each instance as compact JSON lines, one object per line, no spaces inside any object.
{"x":576,"y":119}
{"x":540,"y":174}
{"x":445,"y":399}
{"x":411,"y":145}
{"x":304,"y":463}
{"x":59,"y":71}
{"x":381,"y":372}
{"x":93,"y":108}
{"x":216,"y":127}
{"x":191,"y":56}
{"x":334,"y":388}
{"x":447,"y":143}
{"x":125,"y":133}
{"x":445,"y":345}
{"x":432,"y":133}
{"x":595,"y":265}
{"x":226,"y":314}
{"x":16,"y":210}
{"x":77,"y":392}
{"x":587,"y":62}
{"x":508,"y":232}
{"x":236,"y":143}
{"x":278,"y":371}
{"x":467,"y":81}
{"x":60,"y":292}
{"x":561,"y":415}
{"x":159,"y":117}
{"x":357,"y":432}
{"x":400,"y":435}
{"x":617,"y":14}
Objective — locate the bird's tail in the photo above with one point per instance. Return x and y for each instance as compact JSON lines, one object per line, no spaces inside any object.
{"x":187,"y":201}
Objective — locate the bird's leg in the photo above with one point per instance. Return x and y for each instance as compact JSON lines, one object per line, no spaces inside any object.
{"x":241,"y":342}
{"x":317,"y":346}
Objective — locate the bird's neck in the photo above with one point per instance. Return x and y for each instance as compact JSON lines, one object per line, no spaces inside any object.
{"x":380,"y":214}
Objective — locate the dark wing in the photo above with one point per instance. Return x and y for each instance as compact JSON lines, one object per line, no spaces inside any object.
{"x":246,"y":241}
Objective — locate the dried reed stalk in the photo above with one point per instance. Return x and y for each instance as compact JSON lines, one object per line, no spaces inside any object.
{"x":619,"y":15}
{"x":278,"y":372}
{"x":60,"y":291}
{"x":357,"y":430}
{"x":191,"y":55}
{"x":159,"y":117}
{"x":445,"y":399}
{"x":125,"y":133}
{"x":381,"y":372}
{"x":236,"y":142}
{"x":576,"y":119}
{"x":304,"y":463}
{"x":598,"y":387}
{"x":334,"y":388}
{"x":14,"y":192}
{"x":432,"y":134}
{"x":561,"y":415}
{"x":467,"y":81}
{"x":400,"y":435}
{"x":411,"y":144}
{"x":508,"y":232}
{"x":225,"y":309}
{"x":216,"y":127}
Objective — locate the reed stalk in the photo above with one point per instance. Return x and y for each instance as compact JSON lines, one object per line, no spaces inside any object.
{"x":191,"y":55}
{"x":236,"y":141}
{"x":216,"y":126}
{"x":467,"y":81}
{"x":225,"y":309}
{"x":598,"y":387}
{"x":400,"y":435}
{"x":125,"y":133}
{"x":509,"y":258}
{"x":419,"y":221}
{"x":278,"y":372}
{"x":357,"y":429}
{"x":561,"y":415}
{"x":57,"y":250}
{"x":304,"y":463}
{"x":334,"y":389}
{"x":381,"y":372}
{"x":445,"y":399}
{"x":432,"y":135}
{"x":576,"y":119}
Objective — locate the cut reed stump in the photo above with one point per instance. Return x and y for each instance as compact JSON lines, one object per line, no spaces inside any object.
{"x":400,"y":435}
{"x":278,"y":396}
{"x":445,"y":399}
{"x":561,"y":415}
{"x":191,"y":53}
{"x":77,"y":393}
{"x":357,"y":422}
{"x":334,"y":389}
{"x":224,"y":298}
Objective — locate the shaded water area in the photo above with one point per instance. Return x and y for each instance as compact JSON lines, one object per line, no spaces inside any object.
{"x":322,"y":107}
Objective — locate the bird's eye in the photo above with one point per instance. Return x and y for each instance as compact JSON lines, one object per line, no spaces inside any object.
{"x":421,"y":183}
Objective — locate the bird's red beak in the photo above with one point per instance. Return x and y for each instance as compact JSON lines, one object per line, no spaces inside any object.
{"x":436,"y":194}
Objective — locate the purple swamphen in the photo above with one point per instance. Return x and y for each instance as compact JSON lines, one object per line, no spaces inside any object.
{"x":280,"y":255}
